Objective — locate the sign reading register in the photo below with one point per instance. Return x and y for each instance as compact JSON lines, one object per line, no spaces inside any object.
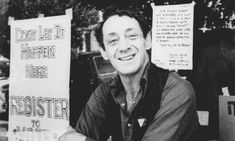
{"x":39,"y":77}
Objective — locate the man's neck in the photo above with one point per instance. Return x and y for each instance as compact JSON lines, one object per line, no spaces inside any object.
{"x":131,"y":83}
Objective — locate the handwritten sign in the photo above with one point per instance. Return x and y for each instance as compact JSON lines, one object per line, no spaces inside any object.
{"x":39,"y":75}
{"x":172,"y":32}
{"x":227,"y":118}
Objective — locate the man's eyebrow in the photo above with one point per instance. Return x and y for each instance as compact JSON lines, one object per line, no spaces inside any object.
{"x":130,"y":29}
{"x":112,"y":34}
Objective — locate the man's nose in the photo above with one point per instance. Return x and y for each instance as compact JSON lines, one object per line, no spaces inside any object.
{"x":123,"y":45}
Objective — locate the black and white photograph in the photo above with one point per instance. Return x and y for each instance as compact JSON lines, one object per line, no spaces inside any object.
{"x":117,"y":70}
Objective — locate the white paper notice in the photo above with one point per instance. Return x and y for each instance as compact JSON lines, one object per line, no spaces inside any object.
{"x":172,"y":36}
{"x":39,"y":76}
{"x":203,"y":117}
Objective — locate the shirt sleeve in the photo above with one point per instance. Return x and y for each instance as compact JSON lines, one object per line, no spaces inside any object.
{"x":177,"y":118}
{"x":91,"y":120}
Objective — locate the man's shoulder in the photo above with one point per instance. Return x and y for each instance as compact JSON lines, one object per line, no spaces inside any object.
{"x":104,"y":88}
{"x":178,"y":86}
{"x":101,"y":95}
{"x":173,"y":81}
{"x":159,"y":75}
{"x":176,"y":79}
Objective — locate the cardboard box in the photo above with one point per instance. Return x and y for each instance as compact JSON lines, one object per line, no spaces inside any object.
{"x":227,"y":118}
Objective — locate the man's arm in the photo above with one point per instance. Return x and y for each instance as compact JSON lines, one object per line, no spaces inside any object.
{"x":72,"y":135}
{"x":90,"y":125}
{"x":177,"y":118}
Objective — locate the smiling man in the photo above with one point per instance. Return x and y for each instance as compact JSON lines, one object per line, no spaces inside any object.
{"x":143,"y":102}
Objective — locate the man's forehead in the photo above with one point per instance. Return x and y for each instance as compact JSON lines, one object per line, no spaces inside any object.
{"x":117,"y":23}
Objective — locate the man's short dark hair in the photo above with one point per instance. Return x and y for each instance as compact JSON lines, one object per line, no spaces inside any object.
{"x":121,"y":10}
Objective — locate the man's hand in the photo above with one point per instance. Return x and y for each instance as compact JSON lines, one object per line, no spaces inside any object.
{"x":72,"y":135}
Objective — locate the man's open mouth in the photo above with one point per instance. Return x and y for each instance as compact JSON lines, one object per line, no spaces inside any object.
{"x":126,"y":58}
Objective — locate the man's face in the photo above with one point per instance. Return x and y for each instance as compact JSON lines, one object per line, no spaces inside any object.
{"x":125,"y":45}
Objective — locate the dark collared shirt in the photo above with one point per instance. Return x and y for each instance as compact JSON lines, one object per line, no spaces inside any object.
{"x":164,"y":110}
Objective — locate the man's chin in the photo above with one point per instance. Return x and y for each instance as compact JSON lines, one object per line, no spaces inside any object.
{"x":128,"y":71}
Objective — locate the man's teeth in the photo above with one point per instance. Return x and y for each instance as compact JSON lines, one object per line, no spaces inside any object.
{"x":127,"y":58}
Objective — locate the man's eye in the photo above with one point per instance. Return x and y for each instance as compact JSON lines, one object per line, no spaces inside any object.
{"x":132,"y":36}
{"x":113,"y":41}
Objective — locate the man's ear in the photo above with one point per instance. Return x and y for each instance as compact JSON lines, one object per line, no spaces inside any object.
{"x":103,"y":53}
{"x":148,"y":41}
